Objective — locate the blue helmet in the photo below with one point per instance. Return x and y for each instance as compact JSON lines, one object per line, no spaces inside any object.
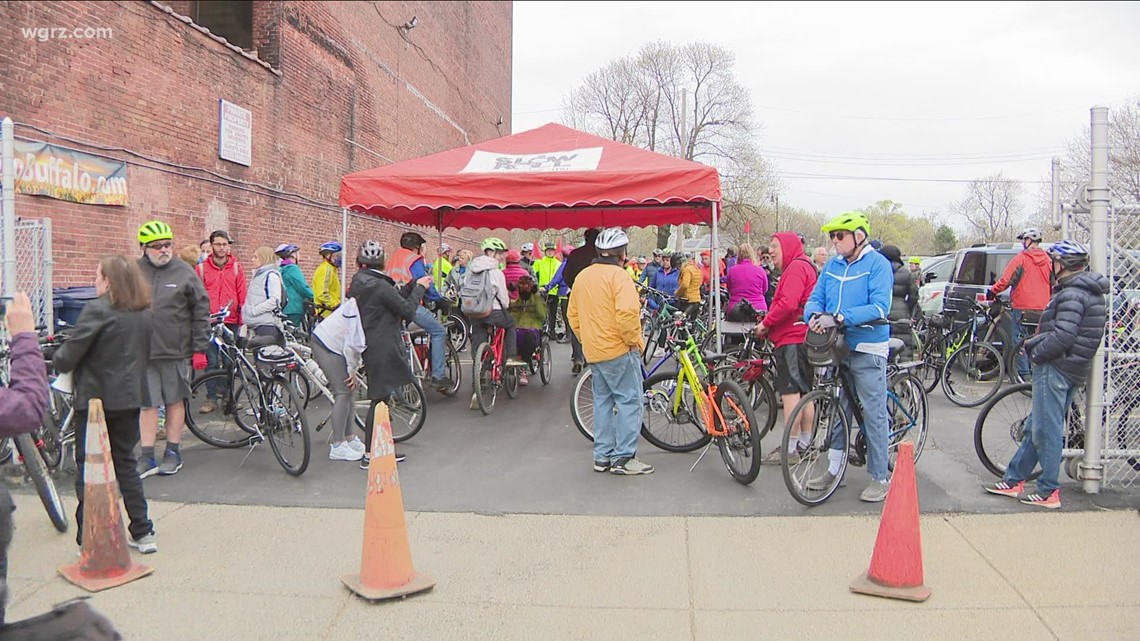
{"x":1070,"y":253}
{"x":331,"y":246}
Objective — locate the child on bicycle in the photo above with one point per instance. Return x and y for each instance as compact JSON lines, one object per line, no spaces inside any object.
{"x":494,"y":250}
{"x":1062,"y":352}
{"x":529,"y":313}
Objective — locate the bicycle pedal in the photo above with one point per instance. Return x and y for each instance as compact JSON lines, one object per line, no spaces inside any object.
{"x":857,"y":461}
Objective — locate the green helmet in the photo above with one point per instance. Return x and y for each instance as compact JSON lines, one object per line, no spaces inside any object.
{"x":154,"y":230}
{"x":850,"y":221}
{"x":915,"y":260}
{"x":493,"y":243}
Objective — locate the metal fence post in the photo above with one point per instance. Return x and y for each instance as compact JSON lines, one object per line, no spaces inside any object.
{"x":1092,"y":469}
{"x":48,"y":295}
{"x":8,"y":204}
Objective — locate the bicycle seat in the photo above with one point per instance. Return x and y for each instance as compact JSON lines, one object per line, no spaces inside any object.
{"x":711,"y":358}
{"x":257,"y":342}
{"x":272,"y":354}
{"x":895,"y":347}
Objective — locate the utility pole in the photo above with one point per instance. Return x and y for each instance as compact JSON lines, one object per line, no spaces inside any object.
{"x":776,"y":199}
{"x":1059,"y":219}
{"x":684,"y":153}
{"x":8,"y":203}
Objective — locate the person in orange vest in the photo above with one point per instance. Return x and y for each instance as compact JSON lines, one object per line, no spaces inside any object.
{"x":405,"y":266}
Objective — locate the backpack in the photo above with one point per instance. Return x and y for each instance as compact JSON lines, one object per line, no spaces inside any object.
{"x":477,"y":294}
{"x":284,"y":291}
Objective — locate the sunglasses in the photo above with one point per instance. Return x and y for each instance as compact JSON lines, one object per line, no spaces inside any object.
{"x":839,"y":235}
{"x":164,"y":244}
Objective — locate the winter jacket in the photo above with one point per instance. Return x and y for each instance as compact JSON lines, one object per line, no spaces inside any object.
{"x":1029,"y":274}
{"x":486,"y":263}
{"x":297,"y":289}
{"x":107,"y":356}
{"x":454,"y":280}
{"x":861,"y":292}
{"x":181,"y":310}
{"x":904,"y":294}
{"x":578,"y":260}
{"x":382,"y":307}
{"x":605,"y":312}
{"x":1072,"y":326}
{"x":25,"y":399}
{"x":747,"y":280}
{"x":529,"y":313}
{"x":706,"y":272}
{"x":326,"y":286}
{"x":264,"y":298}
{"x":559,"y":281}
{"x":785,"y":317}
{"x":512,"y":274}
{"x":689,"y":284}
{"x":341,"y":333}
{"x":223,"y":284}
{"x":648,"y":274}
{"x":545,"y":268}
{"x":666,"y":281}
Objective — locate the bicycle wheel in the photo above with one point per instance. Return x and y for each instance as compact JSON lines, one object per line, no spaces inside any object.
{"x":651,"y":342}
{"x":485,"y":388}
{"x":306,"y":391}
{"x":582,"y":405}
{"x":407,"y":411}
{"x":972,"y":374}
{"x":286,"y":425}
{"x":41,"y":478}
{"x":1001,"y":425}
{"x":546,"y":364}
{"x":234,"y":421}
{"x":759,"y":392}
{"x":673,"y":432}
{"x":457,"y":331}
{"x":511,"y":381}
{"x":48,"y":435}
{"x":806,"y":473}
{"x":907,"y":415}
{"x":453,"y":369}
{"x":930,"y":372}
{"x":740,"y":447}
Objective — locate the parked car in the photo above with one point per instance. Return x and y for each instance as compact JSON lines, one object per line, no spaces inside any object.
{"x":935,"y":274}
{"x":974,"y":271}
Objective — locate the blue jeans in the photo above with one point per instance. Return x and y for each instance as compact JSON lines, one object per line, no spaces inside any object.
{"x":869,"y":374}
{"x":617,"y":384}
{"x":438,"y":334}
{"x":1044,"y":430}
{"x":1015,"y":336}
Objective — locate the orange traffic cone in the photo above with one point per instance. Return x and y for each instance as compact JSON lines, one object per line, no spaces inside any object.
{"x":896,"y":563}
{"x":105,"y":561}
{"x":386,"y":565}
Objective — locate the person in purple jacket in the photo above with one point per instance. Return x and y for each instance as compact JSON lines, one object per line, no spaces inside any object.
{"x":22,"y":405}
{"x":747,"y":281}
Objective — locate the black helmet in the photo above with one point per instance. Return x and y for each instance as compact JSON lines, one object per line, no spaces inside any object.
{"x":411,"y":240}
{"x":371,"y":254}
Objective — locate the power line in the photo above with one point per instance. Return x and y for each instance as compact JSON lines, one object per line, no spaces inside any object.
{"x":905,"y":155}
{"x":806,"y":176}
{"x":910,"y":163}
{"x":910,"y":119}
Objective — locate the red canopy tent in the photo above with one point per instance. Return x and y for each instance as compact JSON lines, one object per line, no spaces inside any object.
{"x":552,"y":177}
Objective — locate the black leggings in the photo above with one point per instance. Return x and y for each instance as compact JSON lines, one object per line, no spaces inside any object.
{"x":123,"y":433}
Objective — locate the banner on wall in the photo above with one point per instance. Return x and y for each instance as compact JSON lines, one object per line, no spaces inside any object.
{"x":44,"y":169}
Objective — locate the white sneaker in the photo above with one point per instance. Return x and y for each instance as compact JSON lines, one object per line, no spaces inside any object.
{"x":357,"y":444}
{"x":344,"y":452}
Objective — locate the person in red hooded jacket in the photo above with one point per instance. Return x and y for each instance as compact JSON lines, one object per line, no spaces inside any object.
{"x":784,"y":326}
{"x":1030,"y":275}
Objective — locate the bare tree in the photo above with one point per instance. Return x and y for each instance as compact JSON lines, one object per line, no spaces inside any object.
{"x":992,"y":207}
{"x":1123,"y":155}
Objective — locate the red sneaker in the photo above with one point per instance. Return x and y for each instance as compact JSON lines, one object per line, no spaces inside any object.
{"x":1052,"y":502}
{"x":1005,"y":489}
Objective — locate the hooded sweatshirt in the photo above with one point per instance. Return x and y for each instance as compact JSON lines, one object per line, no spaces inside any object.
{"x":485,"y":263}
{"x":1029,"y":274}
{"x":785,"y":317}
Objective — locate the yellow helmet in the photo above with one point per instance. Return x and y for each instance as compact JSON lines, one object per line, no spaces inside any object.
{"x":850,"y":221}
{"x":154,"y":230}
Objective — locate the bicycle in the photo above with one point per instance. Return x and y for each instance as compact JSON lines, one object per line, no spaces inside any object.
{"x":582,"y":404}
{"x":970,"y":370}
{"x":831,"y":401}
{"x":718,"y":407}
{"x":1000,"y":313}
{"x":28,"y":447}
{"x":260,"y":399}
{"x":492,"y":373}
{"x":418,"y":344}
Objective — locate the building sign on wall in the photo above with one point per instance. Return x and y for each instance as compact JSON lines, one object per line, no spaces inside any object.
{"x":573,"y":160}
{"x":57,"y":172}
{"x":235,"y":134}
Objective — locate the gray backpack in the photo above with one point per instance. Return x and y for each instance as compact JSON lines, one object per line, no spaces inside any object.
{"x":477,"y":294}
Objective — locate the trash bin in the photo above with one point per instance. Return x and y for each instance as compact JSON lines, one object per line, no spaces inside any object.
{"x":68,"y":302}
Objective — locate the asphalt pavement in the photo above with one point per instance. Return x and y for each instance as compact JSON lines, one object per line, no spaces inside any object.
{"x":527,"y":457}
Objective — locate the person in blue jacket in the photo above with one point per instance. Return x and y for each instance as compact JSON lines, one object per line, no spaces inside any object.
{"x":296,"y":289}
{"x":855,"y":289}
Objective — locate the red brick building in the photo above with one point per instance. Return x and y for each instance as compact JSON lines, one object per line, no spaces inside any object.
{"x":332,"y":87}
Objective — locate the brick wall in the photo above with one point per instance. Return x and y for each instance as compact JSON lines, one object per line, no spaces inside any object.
{"x":336,"y":100}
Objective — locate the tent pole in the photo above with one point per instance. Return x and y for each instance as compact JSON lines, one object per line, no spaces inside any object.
{"x":344,"y":246}
{"x":714,"y":284}
{"x":437,"y":269}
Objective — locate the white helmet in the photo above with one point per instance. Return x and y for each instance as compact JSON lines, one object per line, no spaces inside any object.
{"x":1031,"y":233}
{"x":444,"y":248}
{"x":528,"y":247}
{"x":611,"y":238}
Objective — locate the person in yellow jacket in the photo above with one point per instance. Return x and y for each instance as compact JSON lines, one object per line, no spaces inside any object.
{"x":326,"y":279}
{"x":688,"y":283}
{"x":442,"y":266}
{"x":633,"y":269}
{"x":544,"y":270}
{"x":604,"y":313}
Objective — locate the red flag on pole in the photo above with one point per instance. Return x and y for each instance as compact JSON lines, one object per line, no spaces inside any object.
{"x":748,"y":226}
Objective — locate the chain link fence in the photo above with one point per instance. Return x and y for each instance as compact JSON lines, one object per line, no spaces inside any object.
{"x":1122,"y":377}
{"x":34,"y":267}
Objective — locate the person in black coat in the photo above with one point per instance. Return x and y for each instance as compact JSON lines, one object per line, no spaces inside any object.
{"x":382,"y":307}
{"x":108,"y":351}
{"x":904,"y":296}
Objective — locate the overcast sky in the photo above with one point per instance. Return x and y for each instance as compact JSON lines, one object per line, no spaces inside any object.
{"x":900,"y":90}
